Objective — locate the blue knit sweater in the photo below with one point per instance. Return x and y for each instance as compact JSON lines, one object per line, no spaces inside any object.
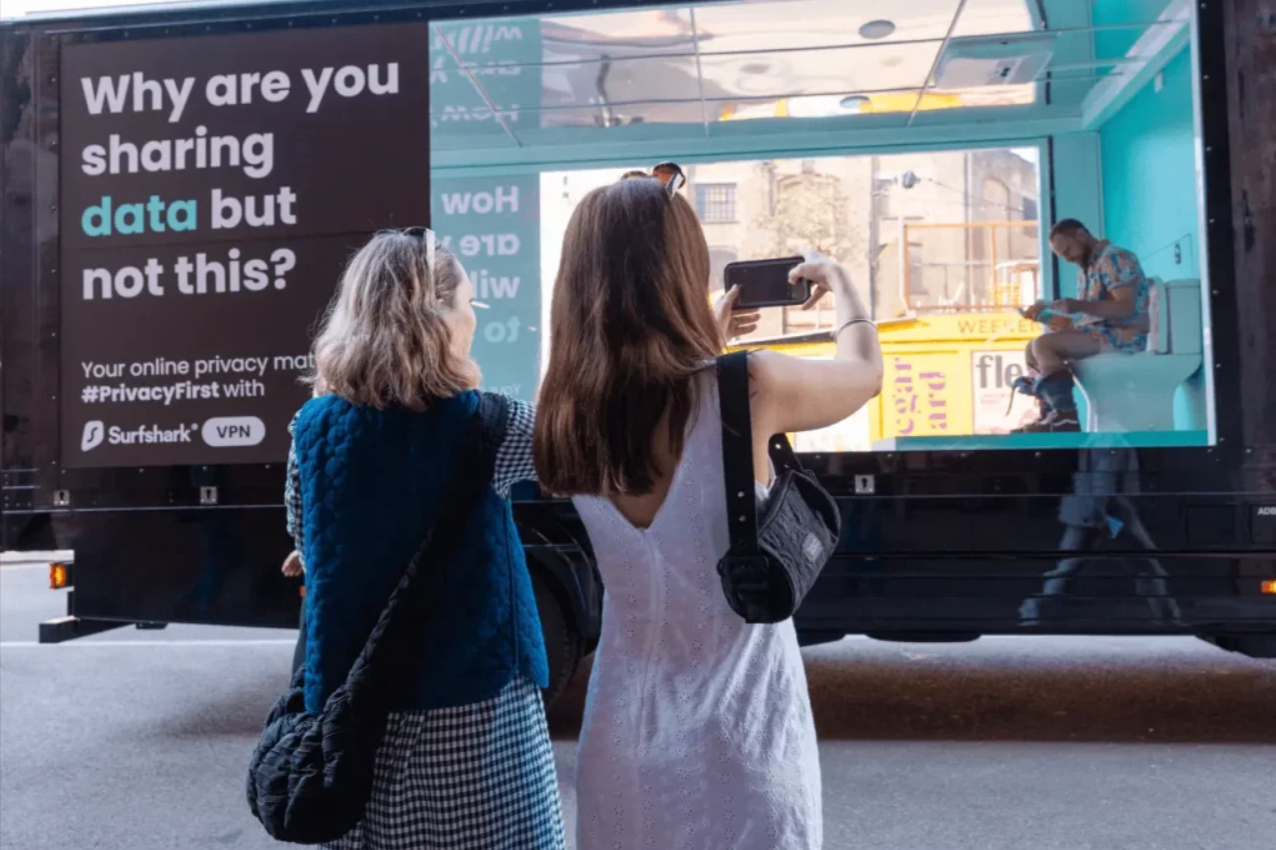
{"x":371,"y":483}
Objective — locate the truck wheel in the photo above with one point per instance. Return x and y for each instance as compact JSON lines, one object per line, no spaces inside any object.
{"x":562,"y":643}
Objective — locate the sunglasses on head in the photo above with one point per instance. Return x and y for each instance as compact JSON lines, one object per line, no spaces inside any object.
{"x":416,"y":232}
{"x":668,"y":173}
{"x":425,"y":234}
{"x":428,"y":236}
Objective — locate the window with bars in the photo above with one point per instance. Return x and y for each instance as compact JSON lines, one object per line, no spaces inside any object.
{"x":715,"y":202}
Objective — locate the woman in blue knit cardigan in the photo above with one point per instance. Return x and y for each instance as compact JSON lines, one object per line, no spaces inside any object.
{"x":466,"y":759}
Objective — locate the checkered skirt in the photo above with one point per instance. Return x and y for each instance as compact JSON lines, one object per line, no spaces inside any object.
{"x":473,"y":777}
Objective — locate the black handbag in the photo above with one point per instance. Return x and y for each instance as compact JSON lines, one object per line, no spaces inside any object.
{"x":774,"y":559}
{"x":310,"y":776}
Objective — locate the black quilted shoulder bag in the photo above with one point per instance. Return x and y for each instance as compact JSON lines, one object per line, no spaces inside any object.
{"x":774,"y":558}
{"x":310,"y":776}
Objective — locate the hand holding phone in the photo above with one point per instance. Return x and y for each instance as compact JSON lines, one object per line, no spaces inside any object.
{"x":733,"y":321}
{"x":765,"y":283}
{"x":827,"y":276}
{"x":1046,"y":314}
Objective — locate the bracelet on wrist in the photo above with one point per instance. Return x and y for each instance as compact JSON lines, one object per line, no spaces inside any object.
{"x":855,"y":321}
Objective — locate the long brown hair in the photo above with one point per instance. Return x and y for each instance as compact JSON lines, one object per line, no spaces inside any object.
{"x":630,"y":325}
{"x":384,"y":341}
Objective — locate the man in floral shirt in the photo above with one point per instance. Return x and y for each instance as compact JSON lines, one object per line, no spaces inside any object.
{"x":1110,"y":316}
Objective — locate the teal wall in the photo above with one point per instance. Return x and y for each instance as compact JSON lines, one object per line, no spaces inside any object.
{"x":1150,"y":203}
{"x":1078,"y":193}
{"x":1111,"y":43}
{"x":1148,"y":152}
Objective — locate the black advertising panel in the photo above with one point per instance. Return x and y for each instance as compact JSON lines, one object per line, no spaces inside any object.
{"x":211,"y":190}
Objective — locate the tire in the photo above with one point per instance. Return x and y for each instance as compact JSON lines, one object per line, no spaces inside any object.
{"x":562,"y":643}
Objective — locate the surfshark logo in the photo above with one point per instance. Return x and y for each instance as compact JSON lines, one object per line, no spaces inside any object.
{"x":94,"y":434}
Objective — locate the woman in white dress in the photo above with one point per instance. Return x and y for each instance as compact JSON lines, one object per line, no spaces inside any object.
{"x":698,"y":730}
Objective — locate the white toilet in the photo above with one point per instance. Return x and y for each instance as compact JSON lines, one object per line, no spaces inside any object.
{"x":1135,"y":392}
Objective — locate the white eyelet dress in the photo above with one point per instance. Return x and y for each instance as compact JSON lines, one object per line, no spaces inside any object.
{"x":698,"y":729}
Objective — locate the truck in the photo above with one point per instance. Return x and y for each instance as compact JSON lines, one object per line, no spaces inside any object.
{"x":183,"y":181}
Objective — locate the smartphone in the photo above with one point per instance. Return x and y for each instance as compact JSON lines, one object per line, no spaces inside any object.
{"x":765,"y":283}
{"x":1044,"y":316}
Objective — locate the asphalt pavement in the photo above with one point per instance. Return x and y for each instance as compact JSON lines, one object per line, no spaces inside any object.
{"x":138,"y":740}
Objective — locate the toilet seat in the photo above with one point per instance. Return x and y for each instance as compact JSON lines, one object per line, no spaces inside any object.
{"x":1135,"y":392}
{"x":1132,"y":392}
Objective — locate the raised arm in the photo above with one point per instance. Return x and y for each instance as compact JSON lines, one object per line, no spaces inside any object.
{"x":793,"y":394}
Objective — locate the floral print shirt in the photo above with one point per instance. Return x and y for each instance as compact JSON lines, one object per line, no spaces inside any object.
{"x":1112,"y":268}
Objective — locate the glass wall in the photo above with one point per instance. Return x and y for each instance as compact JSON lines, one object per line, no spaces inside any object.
{"x":947,"y":241}
{"x":948,"y":311}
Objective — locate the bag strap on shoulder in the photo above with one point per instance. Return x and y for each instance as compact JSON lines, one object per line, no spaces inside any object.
{"x":472,"y":472}
{"x":737,"y":452}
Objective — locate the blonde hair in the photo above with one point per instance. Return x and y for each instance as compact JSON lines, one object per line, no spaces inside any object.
{"x":383,"y":341}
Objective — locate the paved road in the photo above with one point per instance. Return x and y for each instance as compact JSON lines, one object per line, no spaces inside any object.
{"x":137,"y":740}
